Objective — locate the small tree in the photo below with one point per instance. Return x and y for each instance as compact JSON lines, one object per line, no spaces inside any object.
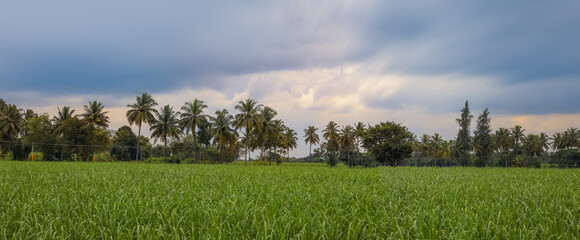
{"x":388,"y":142}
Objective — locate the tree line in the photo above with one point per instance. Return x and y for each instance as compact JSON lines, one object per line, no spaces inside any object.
{"x":191,"y":135}
{"x":392,"y":144}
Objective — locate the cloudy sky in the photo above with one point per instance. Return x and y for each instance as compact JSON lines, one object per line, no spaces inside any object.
{"x":413,"y":62}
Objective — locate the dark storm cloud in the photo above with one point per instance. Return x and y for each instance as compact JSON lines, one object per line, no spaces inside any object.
{"x":67,"y":46}
{"x":111,"y":47}
{"x":513,"y":40}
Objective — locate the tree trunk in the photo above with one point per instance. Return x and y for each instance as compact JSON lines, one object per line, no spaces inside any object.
{"x":310,"y":153}
{"x":194,"y":145}
{"x":138,"y":136}
{"x":247,"y":145}
{"x":348,"y":157}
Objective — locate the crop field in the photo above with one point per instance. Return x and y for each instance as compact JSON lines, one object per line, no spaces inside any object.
{"x":128,"y":200}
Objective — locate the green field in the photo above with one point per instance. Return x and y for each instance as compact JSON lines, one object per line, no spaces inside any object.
{"x":128,"y":200}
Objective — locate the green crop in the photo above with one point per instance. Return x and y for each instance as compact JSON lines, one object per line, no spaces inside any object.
{"x":156,"y":201}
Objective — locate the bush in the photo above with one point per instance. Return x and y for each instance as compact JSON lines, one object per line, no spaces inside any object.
{"x":38,"y":156}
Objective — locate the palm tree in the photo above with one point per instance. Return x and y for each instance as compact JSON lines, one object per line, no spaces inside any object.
{"x":192,"y":117}
{"x":331,"y":132}
{"x":558,"y":141}
{"x":359,"y":131}
{"x":266,"y":128}
{"x":347,"y":138}
{"x":59,"y":123}
{"x":222,"y":131}
{"x":436,"y":142}
{"x":570,"y":138}
{"x":445,"y":152}
{"x":141,"y":112}
{"x":517,"y":135}
{"x":276,"y":139}
{"x":544,"y":141}
{"x":532,"y":145}
{"x":94,"y":115}
{"x":425,"y":146}
{"x":290,"y":140}
{"x":503,"y":139}
{"x":11,"y":122}
{"x":249,"y":119}
{"x":311,"y":137}
{"x":165,"y":125}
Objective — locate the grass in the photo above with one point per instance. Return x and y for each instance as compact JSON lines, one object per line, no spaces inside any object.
{"x":128,"y":200}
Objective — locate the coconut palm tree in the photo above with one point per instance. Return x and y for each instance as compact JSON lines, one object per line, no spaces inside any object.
{"x":347,"y":139}
{"x":557,"y":141}
{"x":436,"y":142}
{"x":249,"y":119}
{"x":290,"y":140}
{"x":503,"y":139}
{"x":359,"y":131}
{"x":266,"y":128}
{"x":331,"y":132}
{"x":142,"y":112}
{"x":222,"y":131}
{"x":191,"y":118}
{"x":11,"y":122}
{"x":59,"y":124}
{"x":276,"y":139}
{"x":570,"y":138}
{"x":311,"y":137}
{"x":532,"y":145}
{"x":165,"y":126}
{"x":425,"y":146}
{"x":517,"y":135}
{"x":95,"y":116}
{"x":545,"y":141}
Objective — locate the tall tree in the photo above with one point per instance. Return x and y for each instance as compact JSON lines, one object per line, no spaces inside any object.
{"x":221,"y":131}
{"x":141,"y":112}
{"x":517,"y":136}
{"x":266,"y":128}
{"x":330,"y":134}
{"x":359,"y":131}
{"x":482,"y":138}
{"x":436,"y":143}
{"x":463,"y":141}
{"x":503,"y":141}
{"x":249,"y":119}
{"x":571,"y":138}
{"x":290,"y":140}
{"x":191,"y":118}
{"x":347,"y":139}
{"x":11,"y":122}
{"x":311,"y":137}
{"x":95,"y":116}
{"x":60,"y":124}
{"x":276,"y":140}
{"x":532,"y":145}
{"x":558,"y":141}
{"x":165,"y":126}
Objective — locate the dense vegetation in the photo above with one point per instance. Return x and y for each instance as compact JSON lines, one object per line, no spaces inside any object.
{"x":191,"y":135}
{"x":127,"y":200}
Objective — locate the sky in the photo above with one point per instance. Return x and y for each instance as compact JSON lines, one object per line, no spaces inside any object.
{"x":411,"y":62}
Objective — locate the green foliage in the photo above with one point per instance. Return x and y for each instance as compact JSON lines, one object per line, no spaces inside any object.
{"x":388,"y":142}
{"x":40,"y":132}
{"x":482,"y":142}
{"x":463,"y":141}
{"x":124,"y":146}
{"x":566,"y":158}
{"x":304,"y":201}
